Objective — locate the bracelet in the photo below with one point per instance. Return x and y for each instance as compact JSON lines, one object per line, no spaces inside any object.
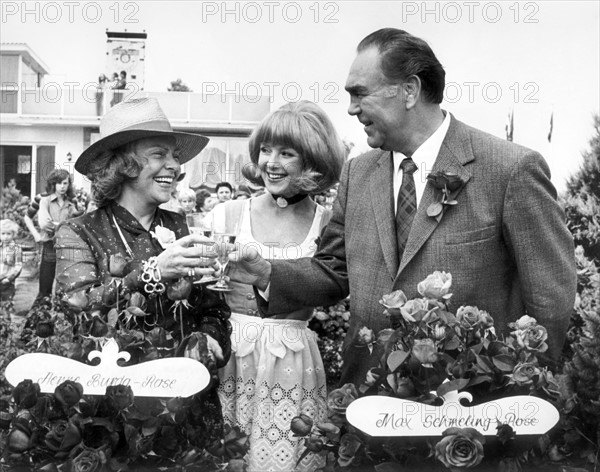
{"x":151,"y":277}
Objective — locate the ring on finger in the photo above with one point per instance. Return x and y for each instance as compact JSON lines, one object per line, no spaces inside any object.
{"x":191,"y":272}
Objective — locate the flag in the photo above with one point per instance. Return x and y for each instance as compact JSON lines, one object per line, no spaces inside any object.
{"x":551,"y":126}
{"x":510,"y":126}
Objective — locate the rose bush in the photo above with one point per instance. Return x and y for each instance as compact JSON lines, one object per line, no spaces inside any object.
{"x":429,"y":352}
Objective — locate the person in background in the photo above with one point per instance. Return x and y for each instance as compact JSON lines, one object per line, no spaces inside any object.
{"x":54,"y":209}
{"x":32,"y":209}
{"x":187,"y":200}
{"x":11,"y":259}
{"x":242,"y":193}
{"x":101,"y":87}
{"x":119,"y":84}
{"x":277,"y":371}
{"x":224,"y":191}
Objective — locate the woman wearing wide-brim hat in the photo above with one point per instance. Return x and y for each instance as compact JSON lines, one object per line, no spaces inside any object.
{"x":133,"y":168}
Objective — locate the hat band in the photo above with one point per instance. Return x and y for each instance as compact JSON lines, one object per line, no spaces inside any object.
{"x":158,"y":125}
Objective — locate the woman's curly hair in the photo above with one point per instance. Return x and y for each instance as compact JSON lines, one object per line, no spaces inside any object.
{"x":111,"y":170}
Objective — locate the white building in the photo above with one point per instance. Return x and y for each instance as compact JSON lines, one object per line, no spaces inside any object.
{"x":45,"y":124}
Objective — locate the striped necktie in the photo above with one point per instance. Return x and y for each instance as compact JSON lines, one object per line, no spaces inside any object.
{"x":406,"y":205}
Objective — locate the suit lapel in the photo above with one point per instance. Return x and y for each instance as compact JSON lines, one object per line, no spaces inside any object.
{"x":380,"y":186}
{"x":454,"y":154}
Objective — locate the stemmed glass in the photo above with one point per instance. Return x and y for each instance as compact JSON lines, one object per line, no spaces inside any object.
{"x":225,"y":232}
{"x":198,"y":224}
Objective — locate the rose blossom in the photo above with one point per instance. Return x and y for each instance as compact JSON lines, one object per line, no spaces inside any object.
{"x":436,"y":285}
{"x":44,"y":329}
{"x":62,"y":437}
{"x":137,"y":299}
{"x":393,"y":300}
{"x":19,"y":437}
{"x":165,"y":236}
{"x":68,"y":393}
{"x":26,"y":394}
{"x":365,"y":335}
{"x":468,"y":316}
{"x":116,"y":265}
{"x":460,"y":448}
{"x":88,"y":460}
{"x":339,"y":399}
{"x":532,"y":338}
{"x":523,"y":322}
{"x":179,"y":290}
{"x":349,"y":446}
{"x":121,"y":396}
{"x":425,"y":352}
{"x":314,"y":444}
{"x":301,"y":425}
{"x":524,"y":372}
{"x":412,"y":308}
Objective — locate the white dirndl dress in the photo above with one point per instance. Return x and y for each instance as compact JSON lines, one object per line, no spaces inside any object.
{"x":275,"y":371}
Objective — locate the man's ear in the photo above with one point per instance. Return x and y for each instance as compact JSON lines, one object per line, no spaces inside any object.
{"x":411,"y":90}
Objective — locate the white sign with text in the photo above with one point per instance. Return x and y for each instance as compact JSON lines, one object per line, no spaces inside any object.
{"x":388,"y":416}
{"x":172,"y":377}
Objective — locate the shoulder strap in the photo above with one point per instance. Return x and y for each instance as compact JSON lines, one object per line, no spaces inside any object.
{"x":327,"y":213}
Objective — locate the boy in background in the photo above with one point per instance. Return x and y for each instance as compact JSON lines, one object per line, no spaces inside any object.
{"x":11,"y":259}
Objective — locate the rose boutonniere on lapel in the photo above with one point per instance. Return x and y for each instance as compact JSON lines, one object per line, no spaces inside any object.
{"x":163,"y":235}
{"x":448,"y":183}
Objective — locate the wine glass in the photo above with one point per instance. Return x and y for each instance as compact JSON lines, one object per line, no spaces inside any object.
{"x":225,"y":231}
{"x":198,"y":224}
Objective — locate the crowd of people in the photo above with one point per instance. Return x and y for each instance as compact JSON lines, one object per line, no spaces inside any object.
{"x":296,"y":248}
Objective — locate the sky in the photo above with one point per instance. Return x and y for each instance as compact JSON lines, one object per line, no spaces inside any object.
{"x":535,"y":59}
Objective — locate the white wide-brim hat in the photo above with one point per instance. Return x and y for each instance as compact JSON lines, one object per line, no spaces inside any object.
{"x":137,"y":119}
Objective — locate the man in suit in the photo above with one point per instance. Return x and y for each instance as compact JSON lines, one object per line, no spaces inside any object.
{"x":504,"y":241}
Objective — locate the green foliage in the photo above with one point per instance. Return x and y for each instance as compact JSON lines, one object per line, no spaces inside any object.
{"x":179,"y":86}
{"x":582,"y":199}
{"x":331,"y":324}
{"x":579,"y":430}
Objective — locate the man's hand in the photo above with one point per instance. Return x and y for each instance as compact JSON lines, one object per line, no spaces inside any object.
{"x":248,"y":266}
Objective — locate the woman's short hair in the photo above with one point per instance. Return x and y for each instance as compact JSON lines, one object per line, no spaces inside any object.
{"x":186,"y":192}
{"x":306,"y":128}
{"x":224,"y":184}
{"x":201,"y":196}
{"x":9,"y":226}
{"x":56,"y":177}
{"x":111,"y":170}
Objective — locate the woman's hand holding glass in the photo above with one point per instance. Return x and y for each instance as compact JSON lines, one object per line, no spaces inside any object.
{"x":190,"y":256}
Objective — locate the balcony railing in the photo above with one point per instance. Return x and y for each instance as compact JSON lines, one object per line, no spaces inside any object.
{"x":88,"y":104}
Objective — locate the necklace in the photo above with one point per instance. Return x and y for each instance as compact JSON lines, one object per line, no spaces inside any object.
{"x":127,"y":247}
{"x":282,"y":201}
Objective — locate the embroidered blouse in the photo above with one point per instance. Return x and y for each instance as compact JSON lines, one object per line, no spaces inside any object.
{"x":84,"y":247}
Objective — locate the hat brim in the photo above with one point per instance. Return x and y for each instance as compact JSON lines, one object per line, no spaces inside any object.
{"x":188,"y":145}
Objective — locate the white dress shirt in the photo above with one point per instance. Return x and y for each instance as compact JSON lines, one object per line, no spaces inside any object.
{"x":424,"y":157}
